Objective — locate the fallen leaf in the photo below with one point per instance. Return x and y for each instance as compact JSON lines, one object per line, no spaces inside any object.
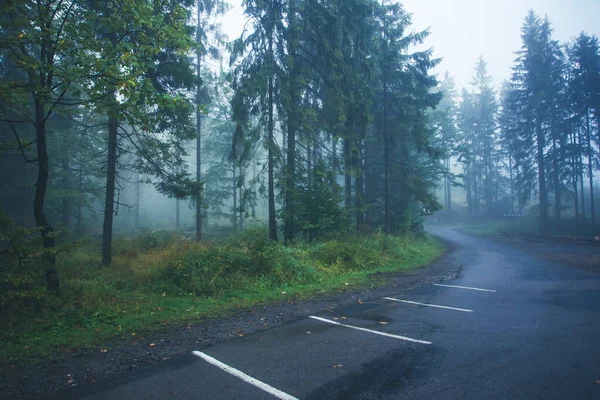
{"x":98,"y":330}
{"x":337,"y":366}
{"x":241,"y":335}
{"x":133,"y":334}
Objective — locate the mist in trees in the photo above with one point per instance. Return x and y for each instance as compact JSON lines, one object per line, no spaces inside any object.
{"x":322,"y":117}
{"x":531,"y":146}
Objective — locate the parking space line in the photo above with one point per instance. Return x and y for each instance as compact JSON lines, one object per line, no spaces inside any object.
{"x":370,"y":331}
{"x":246,"y":378}
{"x":465,"y":287}
{"x":428,"y":305}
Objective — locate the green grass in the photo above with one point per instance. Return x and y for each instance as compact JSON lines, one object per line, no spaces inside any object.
{"x":157,"y":282}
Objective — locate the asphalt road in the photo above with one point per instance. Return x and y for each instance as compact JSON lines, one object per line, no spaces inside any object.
{"x":535,"y":334}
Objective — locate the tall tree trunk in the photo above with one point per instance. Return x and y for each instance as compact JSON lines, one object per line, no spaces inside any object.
{"x":235,"y":206}
{"x":111,"y":175}
{"x":271,"y":150}
{"x":347,"y":175}
{"x":137,"y":201}
{"x":66,"y":201}
{"x":240,"y":185}
{"x":41,"y":185}
{"x":292,"y":124}
{"x":449,"y":183}
{"x":580,"y":170}
{"x":360,"y":212}
{"x":334,"y":166}
{"x":574,"y":178}
{"x":386,"y":163}
{"x":543,"y":190}
{"x":368,"y":198}
{"x":80,"y":196}
{"x":512,"y":185}
{"x":590,"y":169}
{"x":199,"y":208}
{"x":555,"y":178}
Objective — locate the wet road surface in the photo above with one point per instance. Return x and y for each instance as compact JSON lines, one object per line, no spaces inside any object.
{"x":511,"y":326}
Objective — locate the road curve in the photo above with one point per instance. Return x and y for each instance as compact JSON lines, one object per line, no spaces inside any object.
{"x":511,"y":326}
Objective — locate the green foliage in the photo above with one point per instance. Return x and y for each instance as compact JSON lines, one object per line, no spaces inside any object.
{"x":175,"y":281}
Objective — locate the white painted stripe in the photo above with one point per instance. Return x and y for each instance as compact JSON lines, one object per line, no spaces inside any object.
{"x":371,"y":331}
{"x":248,"y":379}
{"x":465,"y":287}
{"x":429,"y":305}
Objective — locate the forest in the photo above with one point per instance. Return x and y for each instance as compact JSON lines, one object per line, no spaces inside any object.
{"x":154,"y":171}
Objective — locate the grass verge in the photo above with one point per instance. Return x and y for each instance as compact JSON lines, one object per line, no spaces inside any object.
{"x":161,"y":281}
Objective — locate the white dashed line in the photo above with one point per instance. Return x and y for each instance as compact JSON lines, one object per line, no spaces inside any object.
{"x":429,"y":305}
{"x":248,"y":379}
{"x":371,"y":331}
{"x":465,"y":287}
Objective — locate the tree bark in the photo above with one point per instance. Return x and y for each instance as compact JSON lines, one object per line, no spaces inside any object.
{"x":580,"y":171}
{"x":543,"y":192}
{"x":292,"y":126}
{"x":66,"y":201}
{"x":41,"y":185}
{"x":111,"y":174}
{"x":199,"y":207}
{"x":590,"y":170}
{"x":387,"y":163}
{"x":360,"y":213}
{"x":271,"y":150}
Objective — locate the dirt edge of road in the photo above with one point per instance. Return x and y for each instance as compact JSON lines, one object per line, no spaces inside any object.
{"x":85,"y":368}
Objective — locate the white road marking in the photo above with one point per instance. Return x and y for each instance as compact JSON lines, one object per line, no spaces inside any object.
{"x":429,"y":305}
{"x":246,"y":378}
{"x":465,"y":287}
{"x":371,"y":331}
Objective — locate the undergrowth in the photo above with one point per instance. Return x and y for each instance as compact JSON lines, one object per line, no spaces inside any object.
{"x":159,"y":280}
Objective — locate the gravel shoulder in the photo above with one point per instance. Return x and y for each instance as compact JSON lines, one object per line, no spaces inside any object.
{"x":53,"y":378}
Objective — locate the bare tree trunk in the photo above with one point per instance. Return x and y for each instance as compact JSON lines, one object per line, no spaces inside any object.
{"x":41,"y":186}
{"x":66,"y":201}
{"x":360,"y":213}
{"x":580,"y":146}
{"x":137,"y":202}
{"x":387,"y":163}
{"x":271,"y":151}
{"x":292,"y":125}
{"x":335,"y":166}
{"x":543,"y":190}
{"x":347,"y":175}
{"x":199,"y":207}
{"x":512,"y":185}
{"x":235,"y":206}
{"x":590,"y":169}
{"x":111,"y":175}
{"x":555,"y":176}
